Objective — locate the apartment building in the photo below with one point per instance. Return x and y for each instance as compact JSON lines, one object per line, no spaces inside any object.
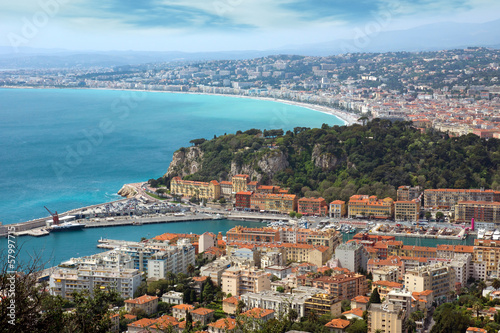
{"x":448,"y":198}
{"x":370,"y":206}
{"x":408,"y":193}
{"x":342,"y":286}
{"x":226,"y":190}
{"x":407,"y":210}
{"x":238,"y":281}
{"x":257,"y":235}
{"x":201,"y":190}
{"x":240,"y":183}
{"x":63,"y":281}
{"x":485,"y":214}
{"x":281,"y":303}
{"x":352,"y":256}
{"x":386,"y":317}
{"x":322,"y":304}
{"x":385,"y":287}
{"x":242,"y":200}
{"x":174,"y":259}
{"x":440,"y":278}
{"x":312,"y":206}
{"x":386,"y":273}
{"x":487,"y":253}
{"x":338,"y":209}
{"x":206,"y":241}
{"x":270,"y":202}
{"x":146,"y":303}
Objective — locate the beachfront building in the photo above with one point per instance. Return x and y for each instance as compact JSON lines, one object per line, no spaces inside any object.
{"x":312,"y":206}
{"x":243,"y":234}
{"x":448,"y":198}
{"x":408,"y":193}
{"x":407,"y":210}
{"x":485,"y":214}
{"x":276,"y":203}
{"x":338,"y":209}
{"x":63,"y":281}
{"x":370,"y":206}
{"x":199,"y":190}
{"x":242,"y":200}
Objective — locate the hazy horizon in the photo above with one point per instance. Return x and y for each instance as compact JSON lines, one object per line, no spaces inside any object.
{"x":220,"y":25}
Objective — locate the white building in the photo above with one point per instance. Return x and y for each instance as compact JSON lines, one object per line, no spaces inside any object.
{"x":352,"y":256}
{"x":206,"y":240}
{"x":64,"y":281}
{"x":271,"y":259}
{"x":173,"y":258}
{"x":172,"y":297}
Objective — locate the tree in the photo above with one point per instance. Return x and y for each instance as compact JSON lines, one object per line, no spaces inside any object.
{"x":363,"y":119}
{"x":477,"y":307}
{"x":448,"y":318}
{"x":375,"y":297}
{"x":481,"y":286}
{"x":439,"y":216}
{"x":298,"y":215}
{"x":190,"y":269}
{"x":428,"y":215}
{"x":240,"y":306}
{"x":292,"y":214}
{"x":189,"y":323}
{"x":495,"y":283}
{"x":357,"y":326}
{"x":280,"y":289}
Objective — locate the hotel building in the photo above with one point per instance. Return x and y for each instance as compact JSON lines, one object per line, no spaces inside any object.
{"x":200,"y":190}
{"x":370,"y":206}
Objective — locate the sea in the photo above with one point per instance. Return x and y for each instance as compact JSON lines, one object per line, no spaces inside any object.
{"x":69,"y":148}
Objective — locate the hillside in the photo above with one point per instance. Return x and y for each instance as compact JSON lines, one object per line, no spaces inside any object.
{"x":337,"y":162}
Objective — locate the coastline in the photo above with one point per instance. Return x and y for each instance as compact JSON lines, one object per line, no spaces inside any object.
{"x":346,"y":117}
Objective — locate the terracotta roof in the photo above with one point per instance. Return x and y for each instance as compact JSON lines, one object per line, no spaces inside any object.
{"x":200,"y":278}
{"x":185,"y":307}
{"x":142,"y":323}
{"x":233,"y":300}
{"x":202,"y":311}
{"x":129,"y":317}
{"x":357,"y":312}
{"x":389,"y":284}
{"x":476,"y":329}
{"x":257,"y":313}
{"x":338,"y":323}
{"x":361,"y":299}
{"x":141,"y":300}
{"x":224,"y":323}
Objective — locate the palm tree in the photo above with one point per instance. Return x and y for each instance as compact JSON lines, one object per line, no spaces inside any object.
{"x":477,"y":307}
{"x":363,"y":119}
{"x":190,"y":269}
{"x":481,"y":285}
{"x":496,"y":283}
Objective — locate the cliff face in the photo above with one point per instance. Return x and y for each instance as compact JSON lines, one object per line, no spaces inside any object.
{"x":185,"y":162}
{"x":269,"y":164}
{"x":323,"y":159}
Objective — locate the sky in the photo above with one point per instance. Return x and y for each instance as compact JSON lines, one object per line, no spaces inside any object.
{"x":218,"y":25}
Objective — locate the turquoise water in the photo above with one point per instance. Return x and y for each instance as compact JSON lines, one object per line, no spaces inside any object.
{"x":68,"y":148}
{"x":60,"y":246}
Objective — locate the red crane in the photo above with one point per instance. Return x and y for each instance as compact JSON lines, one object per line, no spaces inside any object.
{"x":55,"y":217}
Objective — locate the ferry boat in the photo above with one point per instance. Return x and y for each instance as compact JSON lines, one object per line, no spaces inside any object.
{"x":67,"y":226}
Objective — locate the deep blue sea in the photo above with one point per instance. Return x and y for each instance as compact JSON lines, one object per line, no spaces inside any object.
{"x":68,"y":148}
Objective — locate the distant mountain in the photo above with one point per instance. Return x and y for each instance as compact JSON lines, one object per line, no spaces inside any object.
{"x":431,"y":37}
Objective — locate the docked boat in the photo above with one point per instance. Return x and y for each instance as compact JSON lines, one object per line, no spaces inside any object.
{"x":480,"y":233}
{"x":67,"y":226}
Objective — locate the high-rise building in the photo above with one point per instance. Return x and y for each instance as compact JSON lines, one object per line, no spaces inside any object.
{"x":440,"y":278}
{"x":386,"y":317}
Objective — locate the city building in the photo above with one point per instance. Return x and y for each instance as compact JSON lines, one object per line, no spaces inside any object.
{"x":238,"y":281}
{"x":261,"y":315}
{"x":230,"y":304}
{"x":226,"y":190}
{"x":408,"y":193}
{"x":322,"y":304}
{"x":242,"y":200}
{"x":337,"y":325}
{"x":386,"y":317}
{"x":171,"y":258}
{"x":386,"y":273}
{"x":485,"y":214}
{"x":180,"y":311}
{"x":243,"y":234}
{"x":352,"y":256}
{"x":312,"y":206}
{"x":206,"y":241}
{"x":407,"y":210}
{"x":63,"y":281}
{"x":440,"y":278}
{"x":223,"y":325}
{"x":146,"y":303}
{"x":275,"y":203}
{"x":281,"y":303}
{"x":342,"y":286}
{"x":385,"y":287}
{"x":448,"y":198}
{"x":240,"y":183}
{"x":370,"y":206}
{"x":271,"y":259}
{"x":172,"y":297}
{"x":338,"y":209}
{"x":199,"y":190}
{"x":203,"y":315}
{"x":360,"y":302}
{"x":487,"y":255}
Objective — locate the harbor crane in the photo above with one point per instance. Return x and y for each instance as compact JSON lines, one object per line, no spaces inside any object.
{"x":55,"y":216}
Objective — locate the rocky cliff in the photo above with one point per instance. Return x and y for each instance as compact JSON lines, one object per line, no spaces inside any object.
{"x":127,"y":191}
{"x":324,"y":159}
{"x":185,"y":162}
{"x":269,"y":164}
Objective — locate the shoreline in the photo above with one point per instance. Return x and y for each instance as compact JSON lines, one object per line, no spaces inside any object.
{"x":346,"y":117}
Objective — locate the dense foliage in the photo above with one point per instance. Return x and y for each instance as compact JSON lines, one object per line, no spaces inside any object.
{"x":371,"y":159}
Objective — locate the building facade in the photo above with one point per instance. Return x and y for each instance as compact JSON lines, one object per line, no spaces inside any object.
{"x":407,"y":210}
{"x":440,"y":278}
{"x":481,"y":211}
{"x":271,"y":202}
{"x":448,"y":198}
{"x":312,"y":206}
{"x":338,"y":209}
{"x":199,"y":190}
{"x":370,"y":206}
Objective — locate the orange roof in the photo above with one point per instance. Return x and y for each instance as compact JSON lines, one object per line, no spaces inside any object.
{"x":129,"y":317}
{"x":476,"y":329}
{"x":224,"y":323}
{"x":389,"y":284}
{"x":244,"y":193}
{"x":185,"y":307}
{"x":141,"y":300}
{"x":202,"y":311}
{"x":233,"y":300}
{"x":164,"y":321}
{"x":225,"y":182}
{"x":200,"y":278}
{"x":142,"y":323}
{"x":241,"y":176}
{"x":357,"y":312}
{"x":361,"y":299}
{"x":337,"y":202}
{"x":257,"y":313}
{"x":338,"y":323}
